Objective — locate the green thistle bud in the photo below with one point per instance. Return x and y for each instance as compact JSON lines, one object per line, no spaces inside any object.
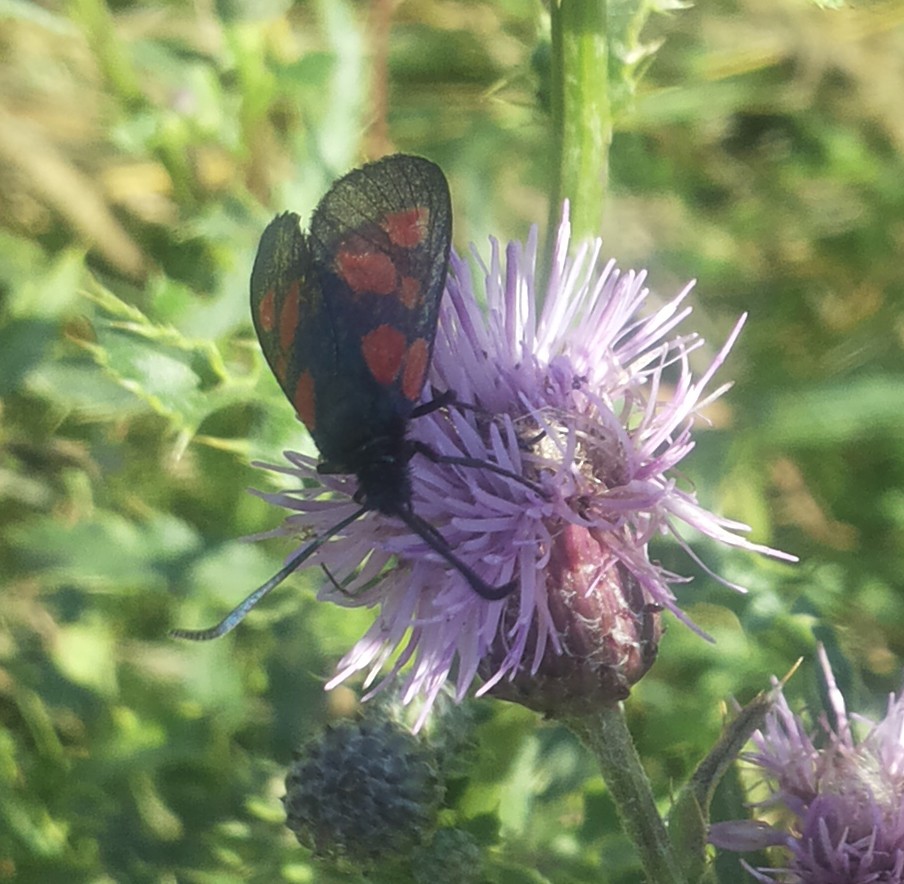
{"x":364,"y":791}
{"x":452,"y":857}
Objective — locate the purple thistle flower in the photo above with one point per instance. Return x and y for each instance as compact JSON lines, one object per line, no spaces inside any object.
{"x":844,"y":799}
{"x":572,"y":397}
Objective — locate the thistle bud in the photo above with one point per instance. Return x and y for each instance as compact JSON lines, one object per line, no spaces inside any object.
{"x":363,"y":791}
{"x":607,"y":633}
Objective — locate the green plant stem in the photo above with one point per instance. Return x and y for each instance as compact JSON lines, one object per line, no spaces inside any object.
{"x":582,"y":119}
{"x":606,"y":734}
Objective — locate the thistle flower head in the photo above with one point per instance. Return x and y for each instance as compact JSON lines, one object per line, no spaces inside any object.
{"x":363,"y":791}
{"x":587,"y":404}
{"x":843,"y":797}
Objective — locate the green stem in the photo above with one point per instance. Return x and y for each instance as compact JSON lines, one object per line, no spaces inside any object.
{"x":606,"y":734}
{"x":582,"y":116}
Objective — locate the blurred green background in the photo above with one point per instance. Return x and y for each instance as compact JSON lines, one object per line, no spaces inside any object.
{"x":144,"y":146}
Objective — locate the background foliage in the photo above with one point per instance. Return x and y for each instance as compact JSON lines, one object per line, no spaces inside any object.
{"x":144,"y":146}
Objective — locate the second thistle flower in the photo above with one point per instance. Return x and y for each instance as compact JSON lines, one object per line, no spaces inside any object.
{"x":839,"y":797}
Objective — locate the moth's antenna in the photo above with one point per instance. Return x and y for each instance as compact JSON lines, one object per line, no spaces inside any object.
{"x":237,"y":614}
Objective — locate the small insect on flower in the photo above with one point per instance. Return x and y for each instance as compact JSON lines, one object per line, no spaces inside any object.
{"x":346,"y":316}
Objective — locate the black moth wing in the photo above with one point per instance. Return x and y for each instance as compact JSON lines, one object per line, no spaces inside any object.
{"x":287,"y":310}
{"x":380,"y":241}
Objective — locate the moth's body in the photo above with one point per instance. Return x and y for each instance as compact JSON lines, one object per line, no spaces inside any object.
{"x":346,"y":316}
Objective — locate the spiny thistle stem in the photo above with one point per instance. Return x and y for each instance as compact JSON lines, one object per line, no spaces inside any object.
{"x":606,"y":734}
{"x":582,"y":119}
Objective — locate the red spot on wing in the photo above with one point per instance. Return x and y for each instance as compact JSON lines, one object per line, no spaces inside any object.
{"x":266,"y":311}
{"x":383,"y":350}
{"x":280,"y":367}
{"x":408,"y":228}
{"x":367,"y":271}
{"x":410,"y":292}
{"x":288,"y":317}
{"x":416,"y":359}
{"x":305,"y":400}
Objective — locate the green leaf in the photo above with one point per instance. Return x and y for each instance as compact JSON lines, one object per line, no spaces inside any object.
{"x":689,"y":817}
